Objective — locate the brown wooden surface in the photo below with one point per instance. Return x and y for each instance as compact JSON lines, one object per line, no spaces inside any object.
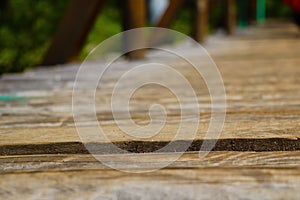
{"x":211,"y":183}
{"x":230,"y":159}
{"x":42,"y":156}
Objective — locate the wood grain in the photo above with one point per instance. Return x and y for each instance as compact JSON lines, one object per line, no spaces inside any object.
{"x":206,"y":183}
{"x":189,"y":160}
{"x":257,"y":155}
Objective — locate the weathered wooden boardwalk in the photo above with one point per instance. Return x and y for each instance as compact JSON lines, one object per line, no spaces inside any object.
{"x":256,"y":157}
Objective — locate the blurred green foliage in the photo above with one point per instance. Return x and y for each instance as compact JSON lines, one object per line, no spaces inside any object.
{"x":27,"y":27}
{"x":275,"y":8}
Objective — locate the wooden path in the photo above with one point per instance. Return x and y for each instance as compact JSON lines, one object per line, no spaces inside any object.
{"x":256,"y":157}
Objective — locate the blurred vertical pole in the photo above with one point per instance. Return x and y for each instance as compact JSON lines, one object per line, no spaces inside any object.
{"x":170,"y":13}
{"x":134,"y":16}
{"x":252,"y":10}
{"x":72,"y":31}
{"x":166,"y":20}
{"x":230,"y":16}
{"x":242,"y":13}
{"x":261,"y":11}
{"x":201,"y":20}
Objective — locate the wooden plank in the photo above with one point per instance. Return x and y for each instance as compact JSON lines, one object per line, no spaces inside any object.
{"x":257,"y":155}
{"x":211,"y":183}
{"x":72,"y":31}
{"x":285,"y":128}
{"x":189,"y":160}
{"x":134,"y":16}
{"x":201,"y":20}
{"x":262,"y":95}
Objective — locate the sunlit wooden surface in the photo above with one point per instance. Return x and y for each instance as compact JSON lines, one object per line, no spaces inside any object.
{"x":257,"y":155}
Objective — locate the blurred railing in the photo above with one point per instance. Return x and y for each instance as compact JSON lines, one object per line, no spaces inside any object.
{"x":80,"y":16}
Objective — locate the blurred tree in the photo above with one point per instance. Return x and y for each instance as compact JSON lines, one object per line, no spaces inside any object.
{"x":277,"y":9}
{"x":25,"y":31}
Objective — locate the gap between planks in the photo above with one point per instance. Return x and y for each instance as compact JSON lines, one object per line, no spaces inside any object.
{"x":257,"y":145}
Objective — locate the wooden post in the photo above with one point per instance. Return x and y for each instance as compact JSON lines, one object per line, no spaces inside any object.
{"x":201,"y":20}
{"x":72,"y":31}
{"x":230,"y":16}
{"x":134,"y":16}
{"x":166,"y":20}
{"x":170,"y":13}
{"x":252,"y":10}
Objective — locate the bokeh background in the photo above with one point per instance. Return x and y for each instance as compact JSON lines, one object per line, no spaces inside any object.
{"x":27,"y":27}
